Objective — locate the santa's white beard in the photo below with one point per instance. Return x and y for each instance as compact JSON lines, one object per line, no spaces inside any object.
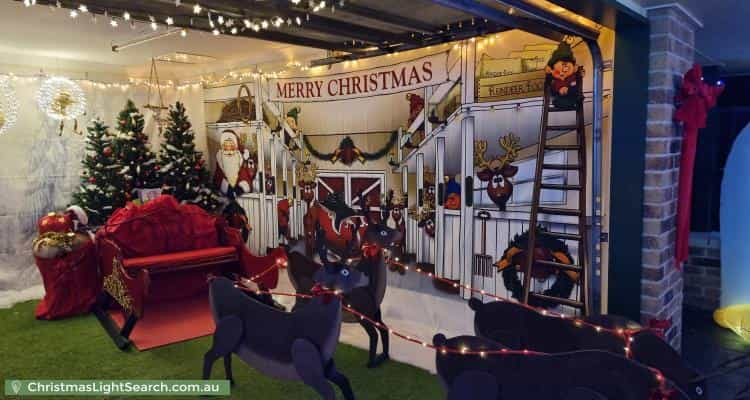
{"x":230,"y":164}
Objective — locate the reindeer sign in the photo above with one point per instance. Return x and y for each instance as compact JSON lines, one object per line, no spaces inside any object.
{"x":498,"y":171}
{"x":306,"y":181}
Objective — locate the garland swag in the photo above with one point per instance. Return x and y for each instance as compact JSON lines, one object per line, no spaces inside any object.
{"x":347,"y":151}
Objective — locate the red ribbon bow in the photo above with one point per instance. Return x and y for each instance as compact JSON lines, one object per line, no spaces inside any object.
{"x":659,"y":326}
{"x":320,"y":291}
{"x":370,"y":250}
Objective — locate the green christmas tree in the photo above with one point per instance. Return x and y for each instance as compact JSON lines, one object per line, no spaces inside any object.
{"x":132,"y":151}
{"x":101,"y":190}
{"x":181,"y":167}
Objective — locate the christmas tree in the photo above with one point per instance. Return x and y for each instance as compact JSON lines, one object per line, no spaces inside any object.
{"x":181,"y":167}
{"x":101,"y":190}
{"x":133,"y":153}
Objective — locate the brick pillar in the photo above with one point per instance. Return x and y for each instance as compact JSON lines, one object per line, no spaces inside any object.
{"x":671,"y":55}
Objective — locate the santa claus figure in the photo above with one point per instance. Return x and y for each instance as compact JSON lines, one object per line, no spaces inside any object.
{"x":235,"y":168}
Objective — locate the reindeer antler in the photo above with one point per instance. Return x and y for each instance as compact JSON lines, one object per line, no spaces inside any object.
{"x":480,"y":147}
{"x":511,"y":144}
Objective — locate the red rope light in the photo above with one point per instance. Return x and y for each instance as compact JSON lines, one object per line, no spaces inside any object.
{"x":626,"y":334}
{"x":661,"y":392}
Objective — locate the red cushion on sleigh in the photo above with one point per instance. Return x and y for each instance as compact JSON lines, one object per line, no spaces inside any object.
{"x":182,"y":259}
{"x":164,"y":251}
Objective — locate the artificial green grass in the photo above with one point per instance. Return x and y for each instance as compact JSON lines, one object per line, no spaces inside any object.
{"x":78,"y":348}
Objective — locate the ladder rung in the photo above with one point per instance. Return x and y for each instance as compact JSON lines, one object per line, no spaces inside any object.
{"x":554,"y":186}
{"x":562,"y":127}
{"x":562,"y":167}
{"x":573,"y":147}
{"x":559,"y":211}
{"x":558,"y":300}
{"x":566,"y":267}
{"x":561,"y":235}
{"x":562,"y":109}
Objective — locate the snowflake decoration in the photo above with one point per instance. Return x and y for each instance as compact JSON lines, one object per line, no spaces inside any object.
{"x":8,"y":105}
{"x":61,"y":99}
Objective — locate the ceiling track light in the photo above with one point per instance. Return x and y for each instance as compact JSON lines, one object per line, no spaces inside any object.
{"x":145,"y":38}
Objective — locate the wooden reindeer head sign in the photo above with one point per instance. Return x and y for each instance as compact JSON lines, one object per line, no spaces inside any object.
{"x":306,"y":180}
{"x":498,"y":171}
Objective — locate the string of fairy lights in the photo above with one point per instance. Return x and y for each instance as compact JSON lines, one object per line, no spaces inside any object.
{"x":217,"y":20}
{"x":626,"y":334}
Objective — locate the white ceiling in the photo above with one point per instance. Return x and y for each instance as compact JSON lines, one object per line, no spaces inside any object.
{"x":48,"y":39}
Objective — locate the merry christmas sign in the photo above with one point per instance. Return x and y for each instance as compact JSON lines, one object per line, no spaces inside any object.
{"x":405,"y":76}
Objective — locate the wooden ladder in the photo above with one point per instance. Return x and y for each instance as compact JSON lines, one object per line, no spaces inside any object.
{"x":582,"y":303}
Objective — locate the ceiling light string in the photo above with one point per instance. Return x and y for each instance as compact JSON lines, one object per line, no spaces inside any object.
{"x":125,"y":85}
{"x":218,"y":21}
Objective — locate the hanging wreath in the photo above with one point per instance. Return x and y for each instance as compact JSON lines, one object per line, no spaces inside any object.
{"x":61,"y":99}
{"x":347,"y":151}
{"x":8,"y":105}
{"x":548,"y":249}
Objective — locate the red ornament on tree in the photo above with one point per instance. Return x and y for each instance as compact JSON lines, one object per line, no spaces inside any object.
{"x":92,"y":180}
{"x":107,"y":151}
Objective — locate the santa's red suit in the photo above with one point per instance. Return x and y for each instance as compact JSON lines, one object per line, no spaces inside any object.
{"x":235,"y":169}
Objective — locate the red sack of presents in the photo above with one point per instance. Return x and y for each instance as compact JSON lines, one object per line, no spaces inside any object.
{"x":67,"y":262}
{"x":71,"y":282}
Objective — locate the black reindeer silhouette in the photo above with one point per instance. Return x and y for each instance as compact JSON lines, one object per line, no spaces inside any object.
{"x":366,"y":299}
{"x":303,"y":341}
{"x":588,"y":374}
{"x":520,"y":327}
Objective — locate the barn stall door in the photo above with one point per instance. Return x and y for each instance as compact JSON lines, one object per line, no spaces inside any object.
{"x":369,"y":187}
{"x":328,"y":185}
{"x":352,"y":185}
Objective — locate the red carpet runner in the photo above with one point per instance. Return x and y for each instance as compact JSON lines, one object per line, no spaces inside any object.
{"x":171,"y":322}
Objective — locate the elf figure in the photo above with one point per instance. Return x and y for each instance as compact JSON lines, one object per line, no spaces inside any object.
{"x":292,"y":118}
{"x":235,"y":168}
{"x":452,"y":193}
{"x":562,"y":69}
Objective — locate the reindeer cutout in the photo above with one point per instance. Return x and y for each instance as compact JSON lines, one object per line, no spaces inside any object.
{"x":365,"y":251}
{"x":297,"y":345}
{"x":498,"y":171}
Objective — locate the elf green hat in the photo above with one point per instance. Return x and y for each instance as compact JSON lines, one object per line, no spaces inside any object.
{"x":562,"y":53}
{"x":294,"y":112}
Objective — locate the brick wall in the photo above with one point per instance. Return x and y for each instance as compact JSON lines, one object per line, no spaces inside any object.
{"x":671,"y":55}
{"x":703,"y":272}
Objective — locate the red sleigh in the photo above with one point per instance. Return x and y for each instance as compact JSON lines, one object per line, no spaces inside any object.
{"x":163,"y":251}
